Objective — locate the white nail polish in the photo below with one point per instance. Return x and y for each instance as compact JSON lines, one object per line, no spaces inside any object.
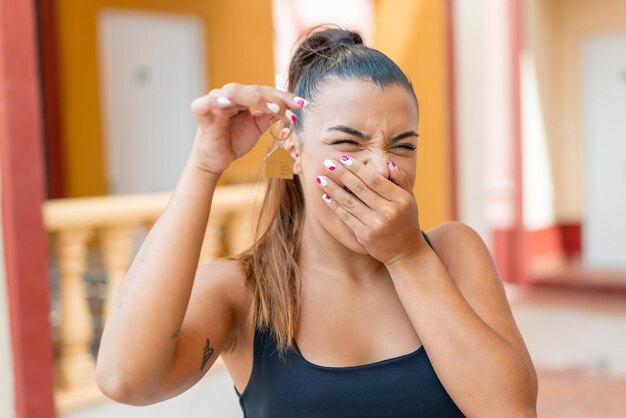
{"x":273,"y":107}
{"x":327,"y":198}
{"x":322,"y":180}
{"x":291,"y":116}
{"x":346,"y":161}
{"x":224,"y":101}
{"x":299,"y":100}
{"x":329,"y":165}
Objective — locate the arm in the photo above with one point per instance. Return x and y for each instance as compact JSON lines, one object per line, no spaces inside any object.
{"x":459,"y":311}
{"x":468,"y":330}
{"x":141,"y":337}
{"x":147,"y":353}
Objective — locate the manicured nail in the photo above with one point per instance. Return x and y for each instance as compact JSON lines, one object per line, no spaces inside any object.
{"x":393,"y":165}
{"x":291,"y":115}
{"x":224,"y":101}
{"x":327,"y":198}
{"x":330,"y":165}
{"x":299,"y":100}
{"x":273,"y":107}
{"x":321,"y":180}
{"x":346,"y":161}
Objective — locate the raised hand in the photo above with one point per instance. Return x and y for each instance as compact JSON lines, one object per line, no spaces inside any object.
{"x":381,"y":212}
{"x":232,"y":118}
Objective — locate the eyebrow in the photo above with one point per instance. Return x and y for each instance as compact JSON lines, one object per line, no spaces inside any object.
{"x":362,"y":136}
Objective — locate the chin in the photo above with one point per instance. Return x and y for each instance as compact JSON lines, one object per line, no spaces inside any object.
{"x":356,"y":246}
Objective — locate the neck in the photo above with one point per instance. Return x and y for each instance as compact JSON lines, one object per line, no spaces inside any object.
{"x":321,"y":255}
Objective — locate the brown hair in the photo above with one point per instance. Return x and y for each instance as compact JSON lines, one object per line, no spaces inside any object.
{"x":270,"y":267}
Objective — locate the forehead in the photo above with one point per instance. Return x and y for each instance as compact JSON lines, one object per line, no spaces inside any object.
{"x":362,"y":104}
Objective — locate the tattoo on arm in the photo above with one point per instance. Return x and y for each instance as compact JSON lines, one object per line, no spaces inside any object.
{"x":175,"y":334}
{"x":208,"y":351}
{"x":136,"y":266}
{"x":130,"y":278}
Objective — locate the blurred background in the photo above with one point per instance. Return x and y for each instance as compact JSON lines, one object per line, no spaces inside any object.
{"x":522,"y":137}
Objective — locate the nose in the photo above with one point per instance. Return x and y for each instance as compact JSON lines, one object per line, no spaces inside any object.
{"x":378,"y":161}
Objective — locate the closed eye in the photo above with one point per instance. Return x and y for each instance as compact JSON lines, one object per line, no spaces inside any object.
{"x":351,"y":142}
{"x":344,"y":141}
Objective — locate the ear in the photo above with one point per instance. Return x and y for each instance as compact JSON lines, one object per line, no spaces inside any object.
{"x":291,"y":144}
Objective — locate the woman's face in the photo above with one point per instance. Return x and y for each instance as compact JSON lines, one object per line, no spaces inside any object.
{"x":359,"y":119}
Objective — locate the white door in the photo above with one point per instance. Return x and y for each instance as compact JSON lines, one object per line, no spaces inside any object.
{"x":151,"y":68}
{"x":604,"y":152}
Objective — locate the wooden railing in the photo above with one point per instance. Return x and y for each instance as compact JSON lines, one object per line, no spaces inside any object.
{"x":110,"y":225}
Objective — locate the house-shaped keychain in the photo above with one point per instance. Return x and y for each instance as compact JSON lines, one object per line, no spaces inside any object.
{"x":278,"y":163}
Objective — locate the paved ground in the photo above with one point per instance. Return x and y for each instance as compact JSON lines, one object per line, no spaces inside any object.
{"x":577,"y":342}
{"x":576,"y":393}
{"x":213,"y":396}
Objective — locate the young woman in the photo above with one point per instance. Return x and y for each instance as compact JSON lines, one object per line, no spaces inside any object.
{"x":343,"y":307}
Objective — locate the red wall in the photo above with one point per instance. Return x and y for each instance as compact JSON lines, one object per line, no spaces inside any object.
{"x":22,"y":189}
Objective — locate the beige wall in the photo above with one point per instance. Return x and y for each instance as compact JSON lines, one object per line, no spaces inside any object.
{"x":470,"y":122}
{"x":536,"y":95}
{"x":555,"y":30}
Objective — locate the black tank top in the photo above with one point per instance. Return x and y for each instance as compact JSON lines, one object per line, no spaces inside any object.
{"x":403,"y":386}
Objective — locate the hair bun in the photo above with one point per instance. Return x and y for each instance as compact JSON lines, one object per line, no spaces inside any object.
{"x":344,"y":37}
{"x":320,"y":42}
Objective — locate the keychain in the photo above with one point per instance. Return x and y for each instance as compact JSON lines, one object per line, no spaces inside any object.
{"x":278,"y":163}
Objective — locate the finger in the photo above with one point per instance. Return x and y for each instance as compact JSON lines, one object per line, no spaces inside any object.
{"x":352,"y":183}
{"x":206,"y":108}
{"x":263,"y":99}
{"x":353,"y":223}
{"x":263,"y":121}
{"x":290,"y":100}
{"x":348,"y":201}
{"x":280,"y":105}
{"x":361,"y":180}
{"x":398,"y":177}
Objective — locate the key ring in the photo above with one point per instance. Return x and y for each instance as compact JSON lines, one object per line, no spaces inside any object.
{"x":277,"y":128}
{"x":278,"y":163}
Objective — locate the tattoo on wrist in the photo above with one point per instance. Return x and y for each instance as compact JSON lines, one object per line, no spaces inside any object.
{"x":208,"y":351}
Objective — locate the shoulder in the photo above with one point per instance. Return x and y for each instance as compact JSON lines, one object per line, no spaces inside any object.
{"x":222,"y":279}
{"x":225,"y":277}
{"x":459,"y":246}
{"x":449,"y":237}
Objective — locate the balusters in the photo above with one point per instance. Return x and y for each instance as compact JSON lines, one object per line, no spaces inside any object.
{"x":113,"y":220}
{"x":75,"y":366}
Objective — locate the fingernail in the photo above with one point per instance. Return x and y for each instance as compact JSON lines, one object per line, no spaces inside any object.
{"x":273,"y":107}
{"x":321,"y":180}
{"x":346,"y":161}
{"x":291,"y":115}
{"x":224,"y":101}
{"x":330,"y":165}
{"x":327,"y":198}
{"x":393,"y":165}
{"x":299,"y":100}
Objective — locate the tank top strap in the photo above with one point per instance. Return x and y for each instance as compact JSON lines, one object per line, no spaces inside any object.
{"x":428,"y":241}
